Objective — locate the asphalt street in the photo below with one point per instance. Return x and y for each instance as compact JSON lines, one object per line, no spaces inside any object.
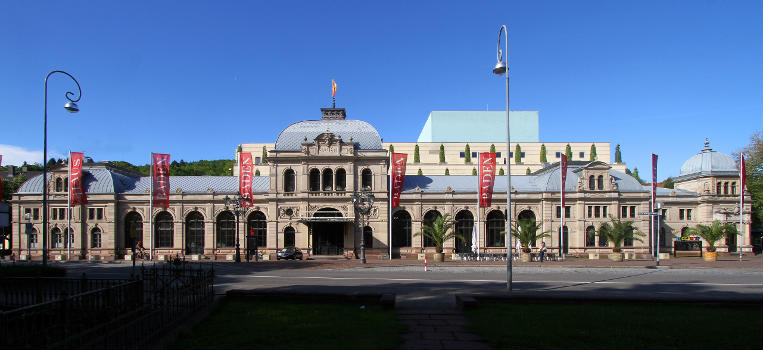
{"x":435,"y":288}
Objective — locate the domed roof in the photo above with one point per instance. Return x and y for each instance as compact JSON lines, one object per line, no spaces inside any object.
{"x":708,"y":161}
{"x":362,"y":134}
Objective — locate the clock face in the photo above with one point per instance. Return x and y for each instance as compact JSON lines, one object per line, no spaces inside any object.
{"x":289,"y":212}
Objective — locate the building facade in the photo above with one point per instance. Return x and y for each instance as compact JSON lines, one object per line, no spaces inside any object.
{"x":304,"y":199}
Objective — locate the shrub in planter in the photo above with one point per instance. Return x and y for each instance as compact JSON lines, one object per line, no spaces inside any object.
{"x":712,"y":234}
{"x":440,"y":231}
{"x":617,"y":231}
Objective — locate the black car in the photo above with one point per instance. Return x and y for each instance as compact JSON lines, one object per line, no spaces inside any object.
{"x":289,"y":253}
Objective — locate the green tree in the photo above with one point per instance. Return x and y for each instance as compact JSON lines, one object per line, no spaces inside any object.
{"x":517,"y":154}
{"x":492,"y":148}
{"x":467,"y":154}
{"x":420,"y":172}
{"x":474,"y":171}
{"x":543,"y":158}
{"x":526,"y":231}
{"x":442,"y":153}
{"x":264,"y":155}
{"x":753,"y":161}
{"x":416,"y":156}
{"x":568,"y":152}
{"x":618,"y":155}
{"x":635,"y":175}
{"x":501,"y":172}
{"x":593,"y":152}
{"x":11,"y":186}
{"x":713,"y":233}
{"x":439,"y":232}
{"x":447,"y":172}
{"x":391,"y":149}
{"x":528,"y":172}
{"x":668,"y":183}
{"x":257,"y":172}
{"x":239,"y":149}
{"x":618,"y":231}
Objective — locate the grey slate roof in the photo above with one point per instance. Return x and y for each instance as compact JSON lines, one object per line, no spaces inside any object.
{"x":363,"y":134}
{"x":709,"y":162}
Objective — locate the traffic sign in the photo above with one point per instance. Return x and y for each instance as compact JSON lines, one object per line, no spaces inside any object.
{"x":648,"y":213}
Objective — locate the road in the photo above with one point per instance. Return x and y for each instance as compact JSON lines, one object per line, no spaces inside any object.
{"x":436,"y":288}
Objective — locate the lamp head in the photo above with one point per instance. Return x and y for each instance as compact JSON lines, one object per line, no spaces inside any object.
{"x":500,"y":68}
{"x":227,"y":201}
{"x":71,"y":107}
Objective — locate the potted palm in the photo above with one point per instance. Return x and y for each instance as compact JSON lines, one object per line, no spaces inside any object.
{"x":526,"y":231}
{"x":712,"y":234}
{"x":617,"y":232}
{"x":439,"y":232}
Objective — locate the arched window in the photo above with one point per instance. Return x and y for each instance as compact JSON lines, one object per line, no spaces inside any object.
{"x":66,"y":184}
{"x":590,"y":236}
{"x":603,"y":241}
{"x":95,"y":237}
{"x":194,"y":233}
{"x":600,"y":182}
{"x":289,"y":237}
{"x":328,"y":180}
{"x":341,"y":179}
{"x":315,"y":179}
{"x":628,"y":240}
{"x":496,"y":223}
{"x":59,"y":185}
{"x":401,"y":229}
{"x":33,"y":238}
{"x":591,"y":182}
{"x":164,"y":230}
{"x":733,"y":188}
{"x":725,"y":188}
{"x":366,"y":179}
{"x":289,"y":184}
{"x":133,"y":229}
{"x":463,"y":226}
{"x":257,"y":226}
{"x":718,"y":188}
{"x":368,"y":237}
{"x":429,"y":219}
{"x":68,"y":241}
{"x":57,"y":239}
{"x":226,"y":230}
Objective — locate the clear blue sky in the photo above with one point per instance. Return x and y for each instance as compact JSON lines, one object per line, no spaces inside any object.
{"x":195,"y":79}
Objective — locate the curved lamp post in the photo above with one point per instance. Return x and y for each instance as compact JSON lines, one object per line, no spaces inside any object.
{"x":501,"y":68}
{"x":72,"y":107}
{"x":363,"y":203}
{"x":235,"y":203}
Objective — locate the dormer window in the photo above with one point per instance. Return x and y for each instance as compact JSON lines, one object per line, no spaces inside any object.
{"x":315,"y":179}
{"x":59,"y":185}
{"x":328,"y":180}
{"x":600,"y":182}
{"x":591,"y":183}
{"x":288,"y":181}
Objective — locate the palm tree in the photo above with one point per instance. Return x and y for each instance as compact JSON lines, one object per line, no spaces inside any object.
{"x":713,"y":233}
{"x":526,"y":231}
{"x":440,"y":231}
{"x":618,"y":231}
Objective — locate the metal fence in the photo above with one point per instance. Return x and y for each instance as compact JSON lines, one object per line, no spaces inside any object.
{"x":16,"y":292}
{"x":127,"y":314}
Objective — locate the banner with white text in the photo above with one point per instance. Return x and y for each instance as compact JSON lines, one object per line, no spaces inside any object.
{"x":76,"y":189}
{"x":398,"y":177}
{"x":161,"y":179}
{"x":487,"y":178}
{"x":245,"y":178}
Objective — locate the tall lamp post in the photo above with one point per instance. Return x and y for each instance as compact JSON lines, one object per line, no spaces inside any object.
{"x":72,"y":107}
{"x":363,"y":203}
{"x":502,"y":68}
{"x":235,"y":203}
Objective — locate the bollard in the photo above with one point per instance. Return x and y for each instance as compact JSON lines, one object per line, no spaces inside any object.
{"x":425,"y":263}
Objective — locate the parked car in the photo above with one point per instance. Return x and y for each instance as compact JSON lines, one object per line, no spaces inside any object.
{"x":292,"y":253}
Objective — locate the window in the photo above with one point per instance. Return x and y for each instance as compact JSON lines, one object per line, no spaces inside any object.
{"x":36,"y":213}
{"x":464,"y":226}
{"x":718,"y":188}
{"x":633,"y":211}
{"x":567,"y":210}
{"x":604,"y":211}
{"x":628,"y":241}
{"x":462,"y":155}
{"x":558,"y":154}
{"x":511,"y":154}
{"x":53,"y":213}
{"x":99,"y":213}
{"x":474,"y":154}
{"x":66,"y":184}
{"x":597,"y":211}
{"x":591,"y":183}
{"x":582,"y":155}
{"x":164,"y":228}
{"x":70,"y":241}
{"x":59,"y":185}
{"x":429,"y":219}
{"x":257,"y":160}
{"x":603,"y":241}
{"x":328,"y":180}
{"x":498,"y":154}
{"x":288,"y":237}
{"x":664,"y":214}
{"x":688,"y":214}
{"x":27,"y":213}
{"x":590,"y":211}
{"x":95,"y":238}
{"x":623,"y":212}
{"x":194,"y":233}
{"x":33,"y":238}
{"x":341,"y":179}
{"x":315,"y":179}
{"x":522,"y":154}
{"x":559,"y":212}
{"x":288,"y":181}
{"x":590,"y":236}
{"x":725,"y":188}
{"x":133,"y":229}
{"x":681,"y":215}
{"x":401,"y":229}
{"x":258,"y":227}
{"x":57,"y":238}
{"x":226,"y":230}
{"x":368,"y":237}
{"x":366,"y":179}
{"x":600,"y":182}
{"x":495,"y":225}
{"x":733,"y":188}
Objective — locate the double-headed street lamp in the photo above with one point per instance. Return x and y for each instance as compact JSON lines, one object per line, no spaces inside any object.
{"x":502,"y":68}
{"x":72,"y":107}
{"x":235,"y":204}
{"x":363,"y":203}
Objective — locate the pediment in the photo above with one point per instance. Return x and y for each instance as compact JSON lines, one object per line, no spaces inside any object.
{"x":595,"y":165}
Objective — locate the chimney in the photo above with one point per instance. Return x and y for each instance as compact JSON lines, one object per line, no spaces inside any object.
{"x":333,"y":114}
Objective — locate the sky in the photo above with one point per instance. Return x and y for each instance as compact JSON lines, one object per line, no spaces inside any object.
{"x":197,"y":78}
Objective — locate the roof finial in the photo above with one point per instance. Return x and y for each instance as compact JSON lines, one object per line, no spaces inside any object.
{"x":333,"y":93}
{"x":707,"y":144}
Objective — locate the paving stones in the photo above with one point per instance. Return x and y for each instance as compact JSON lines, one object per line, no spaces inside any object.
{"x":437,"y":329}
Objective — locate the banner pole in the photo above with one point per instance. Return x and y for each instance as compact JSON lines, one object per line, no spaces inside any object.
{"x":561,"y":213}
{"x":150,"y":207}
{"x":479,"y":227}
{"x":69,"y":209}
{"x":389,"y":200}
{"x":741,"y":203}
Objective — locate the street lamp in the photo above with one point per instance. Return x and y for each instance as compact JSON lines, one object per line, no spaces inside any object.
{"x":72,"y":107}
{"x":363,"y":203}
{"x":501,"y":68}
{"x":237,"y":209}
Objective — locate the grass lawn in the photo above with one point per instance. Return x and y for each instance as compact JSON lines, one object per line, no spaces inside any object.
{"x":615,"y":325}
{"x":252,"y":323}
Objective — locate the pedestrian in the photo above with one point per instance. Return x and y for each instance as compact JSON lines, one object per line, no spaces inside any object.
{"x":542,"y":250}
{"x":519,"y":250}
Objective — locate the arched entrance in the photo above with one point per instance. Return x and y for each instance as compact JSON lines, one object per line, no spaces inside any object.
{"x":133,"y":229}
{"x":328,"y":234}
{"x":194,"y":233}
{"x":529,"y":216}
{"x":429,"y":219}
{"x":464,"y":226}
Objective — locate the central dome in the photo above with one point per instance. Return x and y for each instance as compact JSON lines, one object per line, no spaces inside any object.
{"x":709,"y":161}
{"x":362,"y":134}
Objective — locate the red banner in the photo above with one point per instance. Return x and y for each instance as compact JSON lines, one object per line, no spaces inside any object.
{"x":160,"y":164}
{"x":487,"y":178}
{"x":76,"y":186}
{"x":245,"y":177}
{"x":398,"y":177}
{"x":654,"y":182}
{"x":564,"y":180}
{"x":741,"y":185}
{"x":1,"y":179}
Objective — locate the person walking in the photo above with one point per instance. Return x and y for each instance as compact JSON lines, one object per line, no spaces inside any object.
{"x":542,"y":251}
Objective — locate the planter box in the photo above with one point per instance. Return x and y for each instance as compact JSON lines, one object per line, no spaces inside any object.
{"x":161,"y":257}
{"x":664,"y":256}
{"x":59,"y":257}
{"x":593,"y":256}
{"x":230,"y":257}
{"x":615,"y":256}
{"x":709,"y":256}
{"x":422,"y":256}
{"x":94,"y":258}
{"x":525,"y":257}
{"x":629,"y":256}
{"x":128,"y":257}
{"x":195,"y":257}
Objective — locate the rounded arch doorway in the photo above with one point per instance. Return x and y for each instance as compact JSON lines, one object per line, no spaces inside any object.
{"x":328,"y":232}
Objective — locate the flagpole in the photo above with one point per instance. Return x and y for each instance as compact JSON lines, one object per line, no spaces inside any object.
{"x":389,"y":187}
{"x":151,"y":207}
{"x":741,"y":203}
{"x":479,"y":228}
{"x":69,"y":209}
{"x":561,"y":213}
